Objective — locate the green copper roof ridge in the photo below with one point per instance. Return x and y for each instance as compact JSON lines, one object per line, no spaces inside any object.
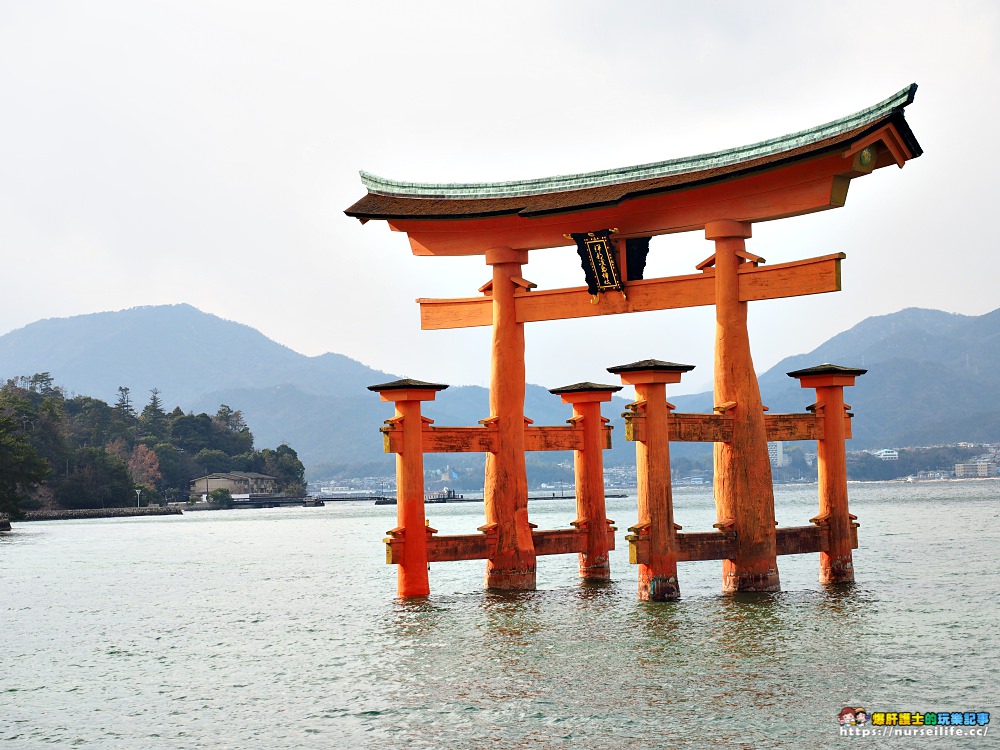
{"x":584,"y":180}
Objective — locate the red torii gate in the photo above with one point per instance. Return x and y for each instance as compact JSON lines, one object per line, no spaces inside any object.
{"x":722,"y":193}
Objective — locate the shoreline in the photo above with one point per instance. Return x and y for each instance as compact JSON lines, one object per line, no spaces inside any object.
{"x":173,"y":510}
{"x":87,"y":513}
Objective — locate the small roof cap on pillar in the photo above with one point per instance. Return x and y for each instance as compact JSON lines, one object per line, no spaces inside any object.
{"x":827,"y":369}
{"x":585,"y":387}
{"x":650,"y":364}
{"x":407,"y":384}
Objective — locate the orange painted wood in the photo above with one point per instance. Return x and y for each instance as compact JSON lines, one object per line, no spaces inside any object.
{"x":701,"y":428}
{"x":891,"y":143}
{"x":412,"y":578}
{"x":836,"y":564}
{"x":588,"y":472}
{"x":797,"y":278}
{"x":683,"y":428}
{"x":716,"y":545}
{"x":711,"y":428}
{"x":448,"y":547}
{"x":505,"y":492}
{"x":635,"y":424}
{"x":561,"y":541}
{"x":647,"y":294}
{"x":804,"y":187}
{"x":554,"y":438}
{"x":658,"y":574}
{"x":786,"y":427}
{"x":743,"y":485}
{"x":706,"y":545}
{"x":567,"y":541}
{"x":462,"y":312}
{"x":485,"y":440}
{"x":798,"y":540}
{"x":460,"y":440}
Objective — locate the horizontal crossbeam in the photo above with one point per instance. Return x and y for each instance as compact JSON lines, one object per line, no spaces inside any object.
{"x":797,"y":278}
{"x":484,"y":439}
{"x":482,"y":546}
{"x":718,"y":428}
{"x":721,"y":545}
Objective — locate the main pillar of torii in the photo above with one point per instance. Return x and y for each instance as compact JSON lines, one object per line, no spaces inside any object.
{"x":722,"y":194}
{"x":743,"y":488}
{"x":505,"y":491}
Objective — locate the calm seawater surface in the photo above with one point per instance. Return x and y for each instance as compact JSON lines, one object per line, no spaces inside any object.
{"x":280,"y":629}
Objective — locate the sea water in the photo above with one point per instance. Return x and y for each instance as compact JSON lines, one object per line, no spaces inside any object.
{"x":279,"y":628}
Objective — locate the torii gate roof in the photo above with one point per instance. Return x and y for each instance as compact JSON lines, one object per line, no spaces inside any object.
{"x":786,"y":176}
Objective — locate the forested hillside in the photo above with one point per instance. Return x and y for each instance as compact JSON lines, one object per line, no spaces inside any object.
{"x":81,"y":452}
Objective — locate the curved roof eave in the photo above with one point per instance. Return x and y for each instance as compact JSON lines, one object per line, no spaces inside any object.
{"x":624,"y":175}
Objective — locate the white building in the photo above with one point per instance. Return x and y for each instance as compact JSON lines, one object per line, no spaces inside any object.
{"x":776,"y":452}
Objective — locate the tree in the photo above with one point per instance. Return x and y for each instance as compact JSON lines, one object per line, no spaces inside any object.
{"x":231,"y":432}
{"x":100,"y":453}
{"x":221,"y":496}
{"x":124,"y":404}
{"x":865,"y":466}
{"x":89,"y":421}
{"x":144,"y":467}
{"x":283,"y":464}
{"x":229,"y":419}
{"x":153,"y":420}
{"x":176,"y":469}
{"x":21,"y":468}
{"x":251,"y":461}
{"x":213,"y":461}
{"x":96,"y":479}
{"x":118,"y":449}
{"x":41,"y":382}
{"x":191,"y":432}
{"x":41,"y":418}
{"x":124,"y":419}
{"x":49,"y":435}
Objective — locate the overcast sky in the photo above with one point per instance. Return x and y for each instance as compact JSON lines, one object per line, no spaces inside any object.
{"x":203,"y":152}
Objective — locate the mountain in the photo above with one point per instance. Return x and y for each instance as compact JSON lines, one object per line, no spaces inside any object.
{"x":318,"y":405}
{"x":931,"y":375}
{"x":930,"y":378}
{"x":180,"y":350}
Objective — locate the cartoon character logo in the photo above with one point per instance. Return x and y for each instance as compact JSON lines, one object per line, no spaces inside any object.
{"x":847,"y":716}
{"x":860,"y":716}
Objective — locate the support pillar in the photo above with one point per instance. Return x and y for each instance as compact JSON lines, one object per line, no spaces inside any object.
{"x":588,"y":467}
{"x":411,"y":525}
{"x":744,"y":494}
{"x":836,"y":565}
{"x":657,"y":574}
{"x":505,"y":491}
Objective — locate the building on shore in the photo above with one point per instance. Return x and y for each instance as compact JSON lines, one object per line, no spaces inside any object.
{"x":976,"y":469}
{"x":237,"y":482}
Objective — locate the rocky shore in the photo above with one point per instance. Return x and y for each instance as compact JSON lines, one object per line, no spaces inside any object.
{"x":65,"y":515}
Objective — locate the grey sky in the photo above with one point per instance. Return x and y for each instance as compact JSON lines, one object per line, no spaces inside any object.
{"x":203,"y":152}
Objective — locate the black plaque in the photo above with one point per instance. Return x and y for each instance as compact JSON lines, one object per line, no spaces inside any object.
{"x":599,"y":258}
